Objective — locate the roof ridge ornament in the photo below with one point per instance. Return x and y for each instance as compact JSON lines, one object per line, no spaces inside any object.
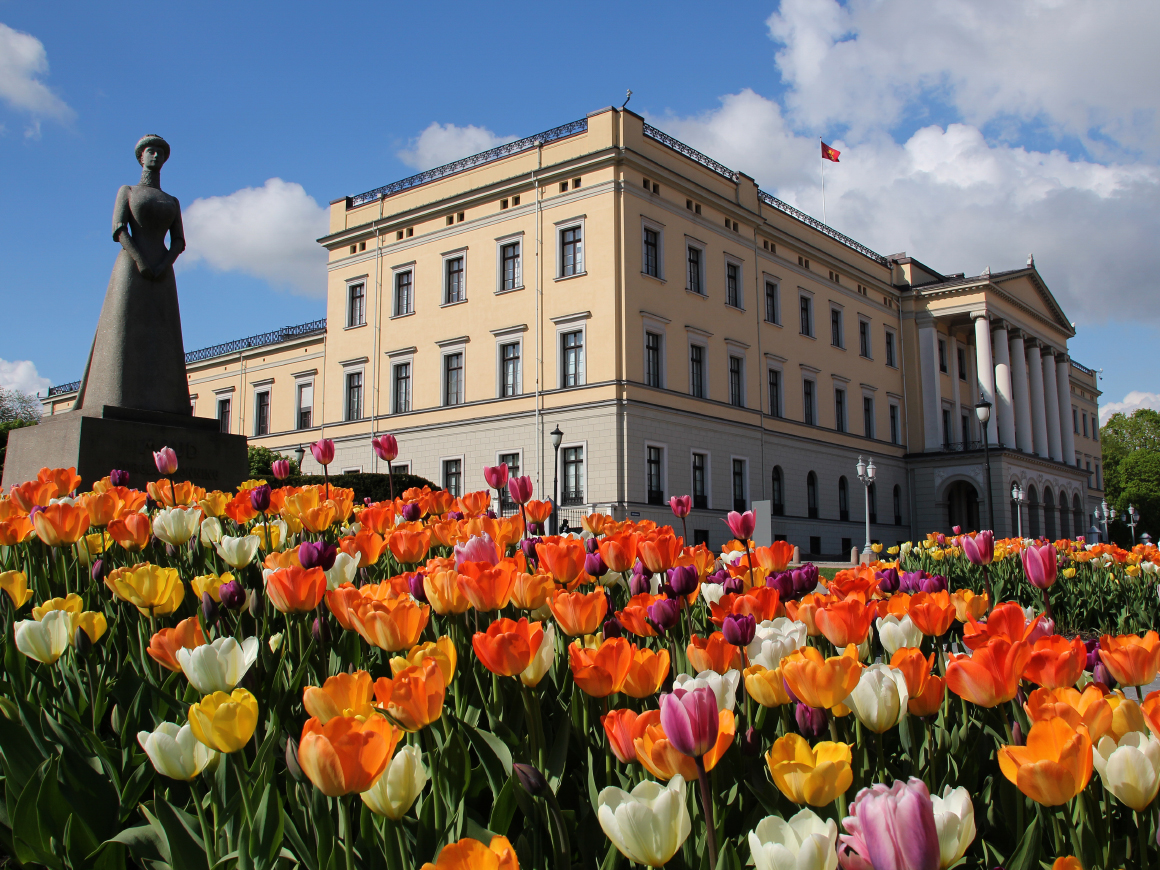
{"x":987,"y":272}
{"x":1031,"y":261}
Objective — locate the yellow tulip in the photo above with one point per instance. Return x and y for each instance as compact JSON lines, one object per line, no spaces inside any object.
{"x":766,"y":687}
{"x":15,"y":583}
{"x":442,"y":651}
{"x":150,"y":588}
{"x":805,"y":775}
{"x":90,"y":547}
{"x":92,"y":621}
{"x":1069,"y":573}
{"x":224,"y":722}
{"x":214,"y":503}
{"x":71,"y":602}
{"x":210,"y":583}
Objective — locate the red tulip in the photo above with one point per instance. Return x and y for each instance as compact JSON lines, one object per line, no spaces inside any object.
{"x":385,"y":447}
{"x":496,"y":475}
{"x":323,"y":451}
{"x":681,"y":505}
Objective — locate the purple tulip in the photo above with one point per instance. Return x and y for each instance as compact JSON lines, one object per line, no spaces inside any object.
{"x":209,"y":608}
{"x":537,"y":529}
{"x":1017,"y":734}
{"x":1101,"y":674}
{"x":741,"y":525}
{"x":117,"y":477}
{"x":455,"y":515}
{"x":232,"y":594}
{"x":783,"y":583}
{"x":639,"y":584}
{"x":980,"y":549}
{"x":751,"y":742}
{"x":933,"y":583}
{"x":97,"y":570}
{"x":887,"y":580}
{"x":321,"y":631}
{"x":805,"y":579}
{"x":477,"y":549}
{"x":690,"y":721}
{"x":683,"y":579}
{"x":665,"y":614}
{"x":911,"y":582}
{"x":411,"y":512}
{"x":528,"y":546}
{"x":317,"y":555}
{"x":892,"y":828}
{"x":260,"y":498}
{"x":491,"y":515}
{"x":612,"y":628}
{"x":719,"y":577}
{"x":1040,"y":565}
{"x":418,"y":592}
{"x":811,"y":721}
{"x":1093,"y":653}
{"x":591,"y":545}
{"x":594,"y":565}
{"x":734,"y":585}
{"x":739,"y":629}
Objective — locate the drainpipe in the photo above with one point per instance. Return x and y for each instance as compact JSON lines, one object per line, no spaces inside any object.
{"x":761,"y":382}
{"x":539,"y":330}
{"x":378,"y":328}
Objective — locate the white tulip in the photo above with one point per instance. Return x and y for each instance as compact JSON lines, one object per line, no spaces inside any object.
{"x":47,"y":639}
{"x":218,"y":666}
{"x":176,"y":525}
{"x":879,"y":700}
{"x":343,"y":569}
{"x":395,"y":791}
{"x":175,"y":752}
{"x":724,"y":686}
{"x":954,"y":817}
{"x":649,"y":823}
{"x":351,"y":530}
{"x":732,"y":557}
{"x":238,"y":551}
{"x":542,"y":661}
{"x":275,"y":641}
{"x":211,"y":531}
{"x":896,"y":633}
{"x":803,"y":842}
{"x":1130,"y":769}
{"x":62,"y":500}
{"x":775,"y":639}
{"x":712,"y":592}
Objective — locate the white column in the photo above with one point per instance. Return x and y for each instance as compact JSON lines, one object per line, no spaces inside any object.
{"x":973,"y":380}
{"x":1004,"y":415}
{"x":928,"y":368}
{"x":1022,"y":394}
{"x":1063,"y":388}
{"x":984,"y":367}
{"x":956,"y":390}
{"x":1038,"y":408}
{"x":1051,"y":399}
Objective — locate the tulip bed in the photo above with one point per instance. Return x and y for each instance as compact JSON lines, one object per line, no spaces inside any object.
{"x":279,"y":677}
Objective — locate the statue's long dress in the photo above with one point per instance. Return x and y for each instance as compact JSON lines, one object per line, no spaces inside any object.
{"x":137,"y":359}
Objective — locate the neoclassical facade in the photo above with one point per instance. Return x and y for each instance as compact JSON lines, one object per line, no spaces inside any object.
{"x":685,"y":332}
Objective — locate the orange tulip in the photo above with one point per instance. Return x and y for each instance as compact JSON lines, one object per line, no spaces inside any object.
{"x":602,"y":671}
{"x":367,"y":544}
{"x":60,"y":525}
{"x":619,"y":551}
{"x":379,"y":518}
{"x":413,"y":698}
{"x":775,"y":557}
{"x":845,"y":622}
{"x":818,"y":681}
{"x":343,"y":602}
{"x":102,"y":507}
{"x":1130,"y":659}
{"x":928,"y":701}
{"x":163,"y":646}
{"x":713,"y":653}
{"x":646,"y":673}
{"x":409,"y":547}
{"x":1054,"y":766}
{"x":618,"y":726}
{"x":487,"y":588}
{"x":968,"y":605}
{"x":317,"y":519}
{"x":532,"y":591}
{"x":471,"y":854}
{"x":63,"y":480}
{"x":1006,"y":621}
{"x":341,"y":695}
{"x":1056,"y":662}
{"x":392,"y":625}
{"x":538,"y":511}
{"x":660,"y":553}
{"x":347,"y":754}
{"x":701,"y":558}
{"x":915,"y":667}
{"x":658,"y":756}
{"x":31,"y":493}
{"x":508,"y":646}
{"x":15,"y":530}
{"x":579,"y":613}
{"x":805,"y":611}
{"x":932,"y":612}
{"x":342,"y":501}
{"x":1151,"y":710}
{"x":563,"y":560}
{"x":761,"y":602}
{"x":991,"y":676}
{"x":635,"y":618}
{"x":132,"y":531}
{"x":296,"y":590}
{"x":172,"y":493}
{"x":1088,"y":708}
{"x":240,"y":509}
{"x":10,"y":509}
{"x":441,"y":586}
{"x":859,"y":583}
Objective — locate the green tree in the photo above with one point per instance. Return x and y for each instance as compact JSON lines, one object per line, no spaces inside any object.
{"x":262,"y":460}
{"x":1131,"y":456}
{"x":17,"y":410}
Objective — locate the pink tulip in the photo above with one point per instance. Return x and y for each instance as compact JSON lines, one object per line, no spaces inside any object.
{"x":681,"y":505}
{"x":281,"y":468}
{"x":323,"y":451}
{"x":1040,"y":566}
{"x":958,"y":530}
{"x":477,"y":549}
{"x":1044,"y":627}
{"x":520,"y":489}
{"x":496,"y":475}
{"x":891,"y":829}
{"x":166,"y":460}
{"x":385,"y":447}
{"x":690,"y":720}
{"x":741,"y":525}
{"x":980,"y":549}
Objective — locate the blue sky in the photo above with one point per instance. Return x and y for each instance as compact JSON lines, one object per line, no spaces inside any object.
{"x":960,"y":167}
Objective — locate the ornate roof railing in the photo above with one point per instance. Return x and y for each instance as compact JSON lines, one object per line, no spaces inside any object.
{"x":788,"y":209}
{"x":61,"y":389}
{"x":1083,"y":368}
{"x":692,"y":153}
{"x":494,"y":154}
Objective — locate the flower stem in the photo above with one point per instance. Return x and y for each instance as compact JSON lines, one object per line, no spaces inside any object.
{"x":210,"y":845}
{"x":346,"y":822}
{"x":707,"y":804}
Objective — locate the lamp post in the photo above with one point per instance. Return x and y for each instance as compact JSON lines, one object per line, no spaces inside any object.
{"x":300,"y":454}
{"x":983,"y":412}
{"x":1103,"y":514}
{"x":557,"y":437}
{"x":1133,"y":521}
{"x":866,"y":477}
{"x":1018,"y":496}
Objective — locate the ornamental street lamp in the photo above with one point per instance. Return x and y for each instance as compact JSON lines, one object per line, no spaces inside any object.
{"x":866,"y":475}
{"x":557,"y":437}
{"x":300,"y":454}
{"x":983,"y":411}
{"x":1019,"y":497}
{"x":1133,"y":521}
{"x":1103,"y":514}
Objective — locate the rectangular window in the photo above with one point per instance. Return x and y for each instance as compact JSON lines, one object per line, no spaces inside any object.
{"x":1075,"y":420}
{"x":652,"y":359}
{"x":840,"y":410}
{"x":868,"y":416}
{"x":402,"y":387}
{"x":404,"y":299}
{"x":1085,"y":431}
{"x":354,"y":395}
{"x":453,"y":378}
{"x":772,"y":315}
{"x":651,"y":258}
{"x":356,"y":310}
{"x":694,"y":270}
{"x":966,"y":430}
{"x":305,"y":405}
{"x":962,"y":356}
{"x":806,"y":313}
{"x":697,"y":370}
{"x":864,"y":338}
{"x":453,"y":476}
{"x":512,"y":460}
{"x":1095,"y":429}
{"x":700,"y":481}
{"x":736,"y":397}
{"x":739,"y":501}
{"x":808,"y":402}
{"x":572,"y":354}
{"x":573,"y":476}
{"x":509,"y":257}
{"x":571,"y":252}
{"x":836,"y":327}
{"x":894,"y":433}
{"x":948,"y":433}
{"x":1099,"y":482}
{"x":456,"y":290}
{"x":732,"y":285}
{"x":774,"y":393}
{"x":890,"y":349}
{"x":654,"y":469}
{"x":223,"y":415}
{"x":262,"y":413}
{"x":510,"y":369}
{"x":942,"y":355}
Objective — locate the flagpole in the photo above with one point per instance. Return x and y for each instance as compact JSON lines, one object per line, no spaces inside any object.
{"x":822,"y":170}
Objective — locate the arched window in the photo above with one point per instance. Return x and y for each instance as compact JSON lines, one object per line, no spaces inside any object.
{"x":1064,"y":526}
{"x":1078,"y":516}
{"x":1049,"y":513}
{"x":872,"y":497}
{"x":897,"y":505}
{"x":843,"y":499}
{"x":778,"y":489}
{"x":1032,"y":527}
{"x":812,"y":495}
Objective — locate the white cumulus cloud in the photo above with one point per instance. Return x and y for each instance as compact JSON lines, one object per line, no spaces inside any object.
{"x":445,"y":143}
{"x":21,"y":375}
{"x":23,"y":61}
{"x":1132,"y":403}
{"x":268,"y":232}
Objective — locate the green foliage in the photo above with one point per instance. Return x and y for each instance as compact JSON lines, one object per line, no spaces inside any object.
{"x":376,"y":487}
{"x":1131,"y":455}
{"x":262,"y":460}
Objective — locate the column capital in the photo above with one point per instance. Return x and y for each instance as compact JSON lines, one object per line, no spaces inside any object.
{"x":999,"y":325}
{"x":980,"y":315}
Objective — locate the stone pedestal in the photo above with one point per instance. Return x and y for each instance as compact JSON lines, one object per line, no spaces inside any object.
{"x":125,"y":438}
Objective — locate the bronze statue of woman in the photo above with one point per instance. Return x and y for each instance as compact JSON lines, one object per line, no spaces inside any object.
{"x":138,"y":359}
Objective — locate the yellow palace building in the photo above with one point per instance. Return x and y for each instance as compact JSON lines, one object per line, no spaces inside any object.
{"x":684,"y":332}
